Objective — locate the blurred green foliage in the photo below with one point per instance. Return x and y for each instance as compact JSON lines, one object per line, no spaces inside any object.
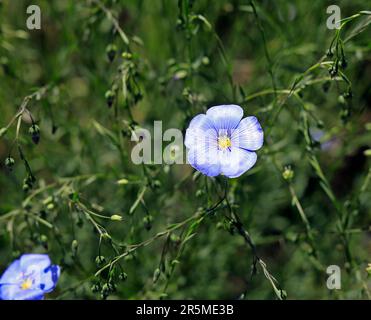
{"x":306,"y":204}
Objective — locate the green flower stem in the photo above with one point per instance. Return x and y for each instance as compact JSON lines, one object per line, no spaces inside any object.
{"x":114,"y":21}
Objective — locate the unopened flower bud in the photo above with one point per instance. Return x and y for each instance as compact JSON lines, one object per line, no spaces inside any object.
{"x":116,"y":217}
{"x":288,"y":173}
{"x":123,"y":181}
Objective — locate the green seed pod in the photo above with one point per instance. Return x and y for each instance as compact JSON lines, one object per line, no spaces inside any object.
{"x":283,"y":294}
{"x":329,"y":53}
{"x":123,"y":276}
{"x":105,"y":291}
{"x":147,"y":221}
{"x":127,"y":55}
{"x":43,"y":238}
{"x":111,"y":51}
{"x":44,"y":241}
{"x":111,"y":286}
{"x":156,"y":184}
{"x":105,"y":288}
{"x":344,"y":115}
{"x":110,"y":98}
{"x":95,"y":288}
{"x":34,"y":131}
{"x":333,"y":71}
{"x":100,"y":260}
{"x":205,"y":61}
{"x":26,"y":185}
{"x":9,"y":162}
{"x":174,"y":238}
{"x":74,"y":247}
{"x":156,"y":275}
{"x":230,"y":227}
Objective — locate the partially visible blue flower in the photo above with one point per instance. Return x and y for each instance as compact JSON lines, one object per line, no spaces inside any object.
{"x":29,"y":278}
{"x":221,"y":142}
{"x":318,"y":136}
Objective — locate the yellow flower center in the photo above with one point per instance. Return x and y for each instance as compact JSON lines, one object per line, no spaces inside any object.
{"x":26,"y":284}
{"x":224,"y":142}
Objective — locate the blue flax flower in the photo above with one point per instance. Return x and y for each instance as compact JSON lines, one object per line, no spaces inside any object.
{"x":29,"y":278}
{"x":221,"y":142}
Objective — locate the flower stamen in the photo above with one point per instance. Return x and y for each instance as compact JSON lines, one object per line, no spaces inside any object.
{"x":26,"y":284}
{"x":224,"y":142}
